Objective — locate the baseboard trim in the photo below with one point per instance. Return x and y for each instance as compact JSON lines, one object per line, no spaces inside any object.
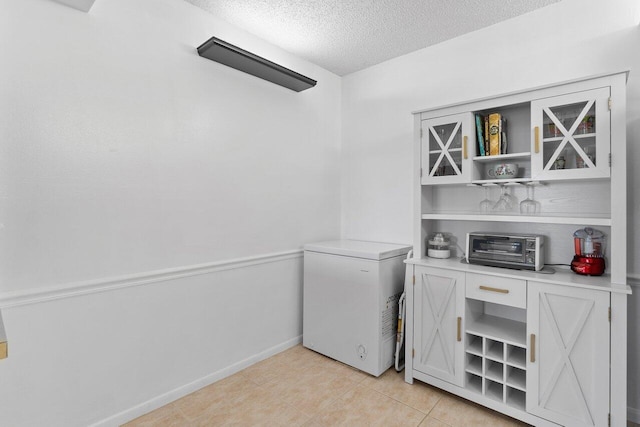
{"x":175,"y":394}
{"x":35,"y":296}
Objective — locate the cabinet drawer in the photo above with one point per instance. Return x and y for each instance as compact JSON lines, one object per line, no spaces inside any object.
{"x":500,"y":290}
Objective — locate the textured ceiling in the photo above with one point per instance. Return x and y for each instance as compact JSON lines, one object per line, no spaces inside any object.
{"x":344,"y":36}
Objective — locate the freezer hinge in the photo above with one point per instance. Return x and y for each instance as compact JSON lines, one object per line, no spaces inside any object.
{"x":610,"y":103}
{"x":609,"y":314}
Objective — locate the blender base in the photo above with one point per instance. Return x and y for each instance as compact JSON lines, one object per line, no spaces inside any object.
{"x":588,"y":266}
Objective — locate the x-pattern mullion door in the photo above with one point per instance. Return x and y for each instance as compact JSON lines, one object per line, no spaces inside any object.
{"x":567,"y":369}
{"x":446,"y":146}
{"x":568,"y":136}
{"x":571,"y":135}
{"x":440,"y":297}
{"x":444,"y":150}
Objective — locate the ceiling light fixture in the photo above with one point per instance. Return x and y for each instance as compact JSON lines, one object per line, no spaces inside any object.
{"x":232,"y":56}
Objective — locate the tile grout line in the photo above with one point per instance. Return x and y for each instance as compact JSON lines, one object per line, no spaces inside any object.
{"x":336,"y":399}
{"x":408,"y":405}
{"x":402,"y":403}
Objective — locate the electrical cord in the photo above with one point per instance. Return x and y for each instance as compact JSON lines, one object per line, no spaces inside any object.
{"x":464,"y":255}
{"x":399,"y":356}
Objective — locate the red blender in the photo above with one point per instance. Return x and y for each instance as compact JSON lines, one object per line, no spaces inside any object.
{"x":589,"y":246}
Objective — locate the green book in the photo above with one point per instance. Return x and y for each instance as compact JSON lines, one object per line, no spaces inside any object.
{"x":480,"y":132}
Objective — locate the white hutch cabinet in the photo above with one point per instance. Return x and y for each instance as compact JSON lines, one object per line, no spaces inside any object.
{"x":546,"y":348}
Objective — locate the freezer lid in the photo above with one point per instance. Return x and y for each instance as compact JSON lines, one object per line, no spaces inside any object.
{"x":359,"y":249}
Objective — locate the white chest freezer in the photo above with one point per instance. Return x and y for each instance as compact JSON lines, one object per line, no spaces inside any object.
{"x":351,"y":292}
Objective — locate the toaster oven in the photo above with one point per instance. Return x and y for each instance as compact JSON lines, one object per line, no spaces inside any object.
{"x":521,"y":251}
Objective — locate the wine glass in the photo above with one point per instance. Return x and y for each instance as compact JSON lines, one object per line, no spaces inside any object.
{"x":487,"y":204}
{"x":528,"y":205}
{"x":506,"y":202}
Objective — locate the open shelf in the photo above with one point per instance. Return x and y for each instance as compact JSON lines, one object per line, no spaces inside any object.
{"x":547,"y":218}
{"x":494,"y":371}
{"x":502,"y":157}
{"x":500,"y":329}
{"x":516,"y":378}
{"x":516,"y":398}
{"x":474,"y":345}
{"x":510,"y":181}
{"x":474,"y":365}
{"x":495,"y":368}
{"x":474,"y":383}
{"x":495,"y":350}
{"x":516,"y":356}
{"x":494,"y":390}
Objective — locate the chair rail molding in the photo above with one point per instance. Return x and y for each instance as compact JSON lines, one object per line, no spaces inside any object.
{"x":49,"y":293}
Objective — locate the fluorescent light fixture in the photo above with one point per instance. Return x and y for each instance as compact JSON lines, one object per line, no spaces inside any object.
{"x":232,"y":56}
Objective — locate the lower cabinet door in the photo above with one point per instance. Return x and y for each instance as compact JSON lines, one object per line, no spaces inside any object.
{"x":438,"y":324}
{"x":568,"y":354}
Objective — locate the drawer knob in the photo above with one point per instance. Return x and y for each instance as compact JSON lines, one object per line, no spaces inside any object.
{"x":490,"y":289}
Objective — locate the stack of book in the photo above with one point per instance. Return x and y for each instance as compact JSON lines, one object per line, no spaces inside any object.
{"x":492,"y":134}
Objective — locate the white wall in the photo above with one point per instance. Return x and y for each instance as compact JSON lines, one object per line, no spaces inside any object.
{"x":124,"y":151}
{"x":107,"y":357}
{"x":131,"y":172}
{"x":567,"y":40}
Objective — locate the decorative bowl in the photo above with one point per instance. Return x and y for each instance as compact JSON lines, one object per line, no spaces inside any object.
{"x":503,"y":171}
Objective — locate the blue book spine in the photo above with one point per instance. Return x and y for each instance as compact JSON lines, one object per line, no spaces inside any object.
{"x":480,"y":132}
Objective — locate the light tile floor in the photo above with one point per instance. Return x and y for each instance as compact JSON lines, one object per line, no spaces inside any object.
{"x":299,"y":387}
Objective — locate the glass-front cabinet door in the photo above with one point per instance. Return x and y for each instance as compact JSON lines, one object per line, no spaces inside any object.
{"x":447,"y":144}
{"x":571,"y":136}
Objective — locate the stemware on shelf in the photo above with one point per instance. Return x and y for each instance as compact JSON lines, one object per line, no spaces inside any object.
{"x":529,"y":206}
{"x":486,"y":205}
{"x":506,"y":202}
